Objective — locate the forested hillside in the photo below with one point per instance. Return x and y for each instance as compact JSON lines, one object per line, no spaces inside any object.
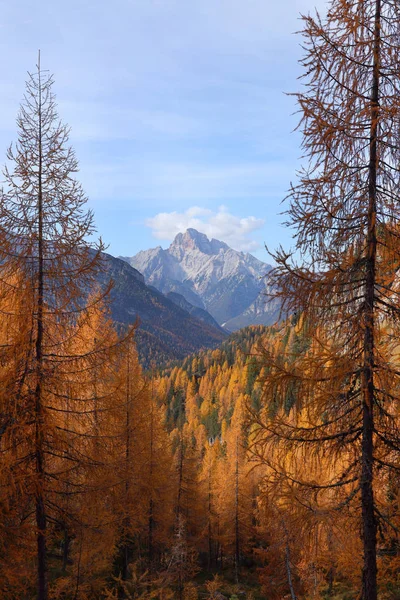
{"x":269,"y":507}
{"x":165,"y":330}
{"x":167,"y":491}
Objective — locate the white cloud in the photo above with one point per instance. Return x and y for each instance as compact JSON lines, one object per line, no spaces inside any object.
{"x":220,"y":224}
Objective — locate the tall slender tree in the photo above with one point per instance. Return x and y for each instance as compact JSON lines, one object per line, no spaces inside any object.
{"x":342,"y":386}
{"x":44,"y":255}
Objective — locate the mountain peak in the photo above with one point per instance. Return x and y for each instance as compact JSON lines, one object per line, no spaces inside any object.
{"x":192,"y":239}
{"x":194,"y":234}
{"x":209,"y":274}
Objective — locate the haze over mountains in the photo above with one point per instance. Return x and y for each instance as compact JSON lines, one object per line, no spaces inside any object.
{"x":211,"y":276}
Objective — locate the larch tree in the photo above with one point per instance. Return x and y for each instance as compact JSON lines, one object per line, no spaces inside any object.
{"x":95,"y":431}
{"x":46,"y":258}
{"x":134,"y":389}
{"x":207,"y":489}
{"x":342,"y":386}
{"x":236,"y":493}
{"x":17,"y":535}
{"x":156,"y":477}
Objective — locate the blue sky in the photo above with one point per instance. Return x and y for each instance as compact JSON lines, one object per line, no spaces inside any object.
{"x":177,"y":110}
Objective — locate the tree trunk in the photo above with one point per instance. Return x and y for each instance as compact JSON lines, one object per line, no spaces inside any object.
{"x":209,"y":522}
{"x":65,"y":556}
{"x":41,"y":520}
{"x":126,"y":523}
{"x":237,"y":540}
{"x":151,"y":501}
{"x":288,"y":562}
{"x":369,"y":578}
{"x":180,"y":481}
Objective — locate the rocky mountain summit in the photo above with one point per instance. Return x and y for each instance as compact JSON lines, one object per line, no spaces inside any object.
{"x":210,"y":275}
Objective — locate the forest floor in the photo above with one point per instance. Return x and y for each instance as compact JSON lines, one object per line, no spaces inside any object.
{"x":224,"y":584}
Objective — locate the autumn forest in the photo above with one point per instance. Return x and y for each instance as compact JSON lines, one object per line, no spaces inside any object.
{"x":265,"y":468}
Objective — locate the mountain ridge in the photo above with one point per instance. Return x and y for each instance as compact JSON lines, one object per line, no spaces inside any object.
{"x":228,"y":284}
{"x":166,"y":330}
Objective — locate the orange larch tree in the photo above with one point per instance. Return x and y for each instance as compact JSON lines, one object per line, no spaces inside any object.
{"x":46,"y":259}
{"x":343,"y":390}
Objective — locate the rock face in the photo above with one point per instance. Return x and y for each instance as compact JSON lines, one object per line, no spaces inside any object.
{"x":228,"y":284}
{"x":195,"y":311}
